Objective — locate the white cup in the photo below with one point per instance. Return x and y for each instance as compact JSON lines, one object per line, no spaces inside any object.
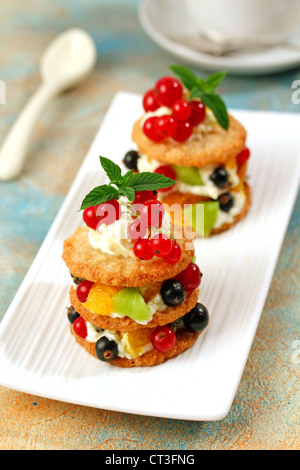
{"x":271,"y":20}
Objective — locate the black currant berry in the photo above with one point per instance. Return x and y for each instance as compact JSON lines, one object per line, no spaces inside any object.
{"x":72,"y":314}
{"x":197,"y":319}
{"x":226,"y":202}
{"x":172,"y":292}
{"x":130,"y":160}
{"x":219,"y":177}
{"x":106,"y":349}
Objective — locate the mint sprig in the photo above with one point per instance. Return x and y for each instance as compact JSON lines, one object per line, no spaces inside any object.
{"x":205,"y":91}
{"x":123,"y":185}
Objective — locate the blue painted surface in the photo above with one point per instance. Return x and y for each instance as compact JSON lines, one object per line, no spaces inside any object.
{"x":265,"y":408}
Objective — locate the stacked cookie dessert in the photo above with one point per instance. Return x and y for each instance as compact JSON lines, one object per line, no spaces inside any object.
{"x":187,"y":134}
{"x":134,"y":298}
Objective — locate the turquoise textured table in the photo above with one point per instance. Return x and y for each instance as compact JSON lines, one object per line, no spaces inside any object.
{"x":265,"y":411}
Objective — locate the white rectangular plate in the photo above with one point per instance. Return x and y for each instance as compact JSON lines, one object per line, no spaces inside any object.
{"x":40,"y":357}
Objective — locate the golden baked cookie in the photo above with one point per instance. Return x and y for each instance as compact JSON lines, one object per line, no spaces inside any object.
{"x":217,"y":146}
{"x":94,"y":265}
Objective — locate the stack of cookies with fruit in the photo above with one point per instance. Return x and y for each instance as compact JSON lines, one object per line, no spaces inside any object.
{"x":187,"y":134}
{"x":135,"y":286}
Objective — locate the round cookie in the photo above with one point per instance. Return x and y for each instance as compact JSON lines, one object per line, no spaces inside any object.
{"x":217,"y":146}
{"x":127,"y":324}
{"x":88,"y":263}
{"x":185,"y":340}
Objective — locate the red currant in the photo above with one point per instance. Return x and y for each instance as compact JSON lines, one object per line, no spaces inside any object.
{"x":166,"y":125}
{"x":137,"y":229}
{"x":152,"y":213}
{"x":163,"y":338}
{"x":243,"y":156}
{"x":90,"y":218}
{"x":161,"y":245}
{"x":184,"y":131}
{"x":108,"y":212}
{"x":175,"y":254}
{"x":142,"y":249}
{"x":143,"y":196}
{"x":167,"y":90}
{"x":198,"y":112}
{"x":181,"y":110}
{"x":83,"y":290}
{"x":150,"y":129}
{"x":190,"y":278}
{"x":150,"y":102}
{"x":79,"y":327}
{"x":167,"y":171}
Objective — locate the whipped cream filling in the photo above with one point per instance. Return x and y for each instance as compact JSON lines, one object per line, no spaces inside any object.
{"x":208,"y":189}
{"x":114,"y":239}
{"x":94,"y":333}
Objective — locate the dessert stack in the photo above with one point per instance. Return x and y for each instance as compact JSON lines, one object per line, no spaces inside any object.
{"x":186,"y":134}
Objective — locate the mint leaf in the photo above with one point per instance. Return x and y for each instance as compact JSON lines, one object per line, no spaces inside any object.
{"x":125,"y":180}
{"x":218,"y":107}
{"x":147,"y":181}
{"x":128,"y":192}
{"x":98,"y":195}
{"x":195,"y":93}
{"x":204,"y":90}
{"x":186,"y":75}
{"x":112,"y":170}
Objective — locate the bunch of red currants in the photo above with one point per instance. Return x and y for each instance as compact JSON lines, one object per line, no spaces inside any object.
{"x":185,"y":114}
{"x":150,"y":215}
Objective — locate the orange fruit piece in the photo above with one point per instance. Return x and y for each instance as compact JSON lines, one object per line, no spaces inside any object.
{"x":231,"y":163}
{"x":136,"y":341}
{"x":100,"y":298}
{"x":239,"y":187}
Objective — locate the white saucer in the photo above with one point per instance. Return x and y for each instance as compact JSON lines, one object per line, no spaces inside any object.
{"x":163,"y":18}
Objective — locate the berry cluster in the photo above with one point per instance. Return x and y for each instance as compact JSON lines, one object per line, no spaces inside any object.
{"x":150,"y":215}
{"x":185,"y":114}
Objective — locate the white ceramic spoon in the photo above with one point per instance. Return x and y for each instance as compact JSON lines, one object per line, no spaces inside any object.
{"x":66,"y":62}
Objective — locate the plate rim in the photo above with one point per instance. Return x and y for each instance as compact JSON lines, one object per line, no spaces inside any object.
{"x":211,"y":63}
{"x":56,"y":223}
